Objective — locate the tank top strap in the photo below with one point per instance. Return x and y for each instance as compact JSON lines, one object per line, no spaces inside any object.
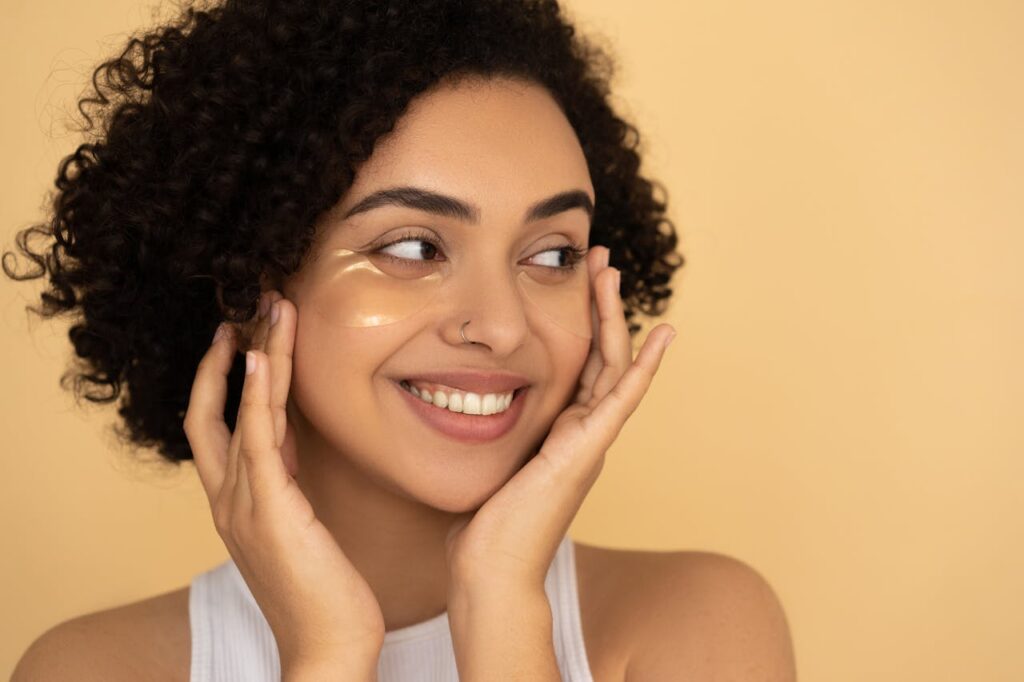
{"x":563,"y":595}
{"x":231,"y":639}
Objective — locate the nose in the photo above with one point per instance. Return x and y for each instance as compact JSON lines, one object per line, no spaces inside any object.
{"x":492,"y":303}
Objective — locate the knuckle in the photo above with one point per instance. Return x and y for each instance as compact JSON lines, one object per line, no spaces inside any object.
{"x":236,"y":532}
{"x":204,"y":362}
{"x":247,"y":451}
{"x":247,"y":534}
{"x":222,"y":519}
{"x":233,"y":538}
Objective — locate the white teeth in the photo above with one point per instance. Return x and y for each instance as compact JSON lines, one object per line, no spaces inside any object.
{"x":471,"y":404}
{"x":467,"y":403}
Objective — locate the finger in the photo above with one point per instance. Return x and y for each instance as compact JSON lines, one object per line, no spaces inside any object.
{"x":290,"y":452}
{"x":616,"y":351}
{"x":208,"y":435}
{"x":250,"y":331}
{"x":240,"y":499}
{"x":264,"y":470}
{"x":241,"y":493}
{"x":593,"y":364}
{"x":261,"y":323}
{"x":597,"y":260}
{"x":279,"y":348}
{"x":594,"y":361}
{"x":231,"y":470}
{"x":622,"y":400}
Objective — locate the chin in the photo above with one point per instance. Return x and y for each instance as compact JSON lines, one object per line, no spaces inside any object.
{"x":459,"y":489}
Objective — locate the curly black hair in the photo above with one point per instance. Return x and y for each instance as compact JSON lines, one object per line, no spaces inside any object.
{"x":226,"y":132}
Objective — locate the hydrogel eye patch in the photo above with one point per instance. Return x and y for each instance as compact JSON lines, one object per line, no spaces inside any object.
{"x":372,"y":292}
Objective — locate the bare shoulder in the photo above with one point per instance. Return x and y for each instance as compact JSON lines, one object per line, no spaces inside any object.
{"x":148,"y":639}
{"x":686,"y":614}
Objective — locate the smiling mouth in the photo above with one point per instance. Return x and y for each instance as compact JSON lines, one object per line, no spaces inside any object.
{"x":464,"y":402}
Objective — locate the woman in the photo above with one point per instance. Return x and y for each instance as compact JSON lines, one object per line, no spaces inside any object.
{"x":424,"y":231}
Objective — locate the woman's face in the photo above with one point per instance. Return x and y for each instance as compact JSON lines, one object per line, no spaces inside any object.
{"x":499,"y":146}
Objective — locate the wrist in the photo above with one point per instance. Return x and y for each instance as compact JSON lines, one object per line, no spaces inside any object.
{"x":503,"y":635}
{"x":495,"y":595}
{"x":480,"y":606}
{"x":348,"y":669}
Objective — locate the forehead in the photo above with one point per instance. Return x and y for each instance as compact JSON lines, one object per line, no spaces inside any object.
{"x":504,"y":143}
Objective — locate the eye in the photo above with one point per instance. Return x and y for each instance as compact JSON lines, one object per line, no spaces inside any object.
{"x":570,"y":256}
{"x":409,"y":249}
{"x":412,"y":249}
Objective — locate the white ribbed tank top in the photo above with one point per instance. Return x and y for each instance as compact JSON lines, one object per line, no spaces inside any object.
{"x":232,"y":641}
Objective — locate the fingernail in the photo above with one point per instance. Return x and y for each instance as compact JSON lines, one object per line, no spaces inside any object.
{"x":219,"y":334}
{"x":669,"y":339}
{"x":618,"y":279}
{"x":250,"y":362}
{"x":264,"y":305}
{"x":275,"y":312}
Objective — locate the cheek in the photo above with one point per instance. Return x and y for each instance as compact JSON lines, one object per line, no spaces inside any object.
{"x":575,"y":357}
{"x":568,"y":358}
{"x":332,"y":378}
{"x":331,"y":352}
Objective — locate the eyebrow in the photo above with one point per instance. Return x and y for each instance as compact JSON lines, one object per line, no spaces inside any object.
{"x":450,"y":207}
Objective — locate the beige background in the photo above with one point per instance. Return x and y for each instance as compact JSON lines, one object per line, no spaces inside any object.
{"x":842,"y":408}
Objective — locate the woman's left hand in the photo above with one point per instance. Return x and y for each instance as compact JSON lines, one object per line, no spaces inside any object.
{"x":511,"y":540}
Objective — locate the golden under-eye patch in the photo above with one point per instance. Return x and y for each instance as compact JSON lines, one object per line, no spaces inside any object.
{"x":380,"y":290}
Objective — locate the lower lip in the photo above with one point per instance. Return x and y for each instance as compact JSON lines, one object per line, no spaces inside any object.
{"x":468,"y":428}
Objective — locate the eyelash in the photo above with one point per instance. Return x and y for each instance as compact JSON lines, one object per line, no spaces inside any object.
{"x":575,"y":253}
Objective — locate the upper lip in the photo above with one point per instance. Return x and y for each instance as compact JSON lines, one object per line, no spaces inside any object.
{"x":476,"y":381}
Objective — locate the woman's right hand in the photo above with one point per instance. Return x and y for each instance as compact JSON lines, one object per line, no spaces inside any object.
{"x":320,"y":608}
